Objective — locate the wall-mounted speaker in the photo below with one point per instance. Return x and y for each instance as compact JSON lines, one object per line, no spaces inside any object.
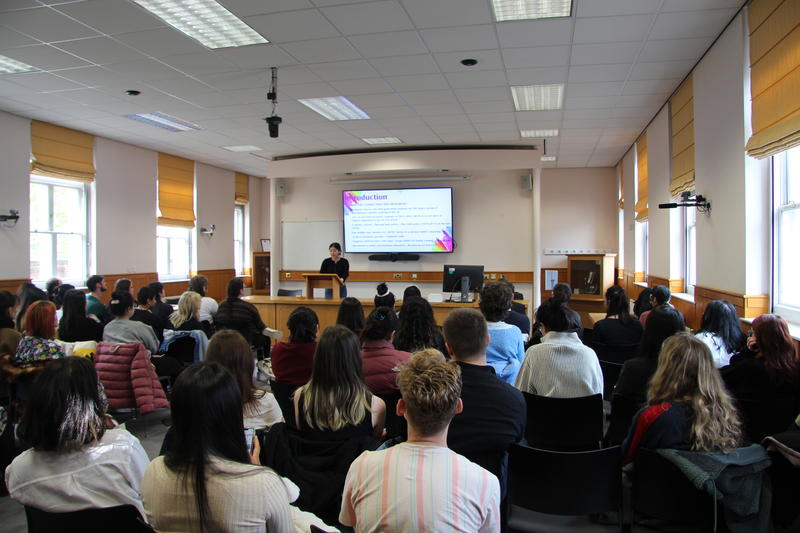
{"x":526,"y":182}
{"x":280,"y":188}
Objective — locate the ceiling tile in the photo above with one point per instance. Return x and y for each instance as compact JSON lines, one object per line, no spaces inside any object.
{"x":111,"y":16}
{"x":477,"y":78}
{"x":535,"y":32}
{"x":689,"y":24}
{"x":433,"y":14}
{"x":343,"y":70}
{"x":390,"y":112}
{"x":612,"y":29}
{"x":374,"y":17}
{"x":589,"y":102}
{"x":145,"y":70}
{"x":11,"y":5}
{"x":528,"y":119}
{"x":397,"y":43}
{"x":195,"y":64}
{"x":460,"y":137}
{"x":692,"y":5}
{"x":258,"y":56}
{"x":45,"y":57}
{"x":46,"y":24}
{"x":541,"y":56}
{"x":496,"y":106}
{"x":379,"y":100}
{"x":587,"y":113}
{"x":486,"y":118}
{"x":607,"y":8}
{"x":532,"y":76}
{"x":661,"y":70}
{"x":321,"y":50}
{"x":180,"y":86}
{"x":246,"y":8}
{"x":244,"y":79}
{"x":41,"y":81}
{"x":419,"y":82}
{"x":12,"y":39}
{"x":483,"y":94}
{"x":605,"y":88}
{"x":161,"y":42}
{"x":362,"y":86}
{"x":604,"y":53}
{"x":430,"y":110}
{"x":429,"y":97}
{"x":641,"y":100}
{"x":292,"y":26}
{"x":447,"y":123}
{"x":487,"y":60}
{"x":405,"y":65}
{"x":460,"y":38}
{"x":91,"y":97}
{"x":597,"y":73}
{"x":675,"y":49}
{"x":650,"y":86}
{"x":323,"y":3}
{"x":309,"y":90}
{"x":100,"y":50}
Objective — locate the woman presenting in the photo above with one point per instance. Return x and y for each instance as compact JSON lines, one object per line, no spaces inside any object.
{"x":336,"y":264}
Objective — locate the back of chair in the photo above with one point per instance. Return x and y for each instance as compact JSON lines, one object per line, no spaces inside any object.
{"x":615,"y":354}
{"x":283,"y":394}
{"x":182,"y":349}
{"x":623,"y":409}
{"x":611,"y":373}
{"x":565,"y":483}
{"x":120,"y":519}
{"x":566,"y":424}
{"x":395,"y":425}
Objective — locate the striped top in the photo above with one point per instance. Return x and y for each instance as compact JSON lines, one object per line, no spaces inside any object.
{"x":418,"y":488}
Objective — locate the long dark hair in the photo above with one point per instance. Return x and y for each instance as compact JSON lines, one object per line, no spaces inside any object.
{"x":120,"y":302}
{"x":302,"y":323}
{"x":617,"y":303}
{"x":351,"y":315}
{"x":552,"y":314}
{"x":228,"y":348}
{"x":206,"y":420}
{"x":642,"y":303}
{"x":720,"y":319}
{"x":668,"y":321}
{"x":381,"y":322}
{"x":74,"y":312}
{"x":7,"y":301}
{"x":50,"y":288}
{"x":60,"y":292}
{"x":778,"y":348}
{"x":416,"y":329}
{"x":28,"y":293}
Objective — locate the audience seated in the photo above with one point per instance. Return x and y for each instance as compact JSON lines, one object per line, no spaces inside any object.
{"x":58,"y":298}
{"x":97,"y":286}
{"x":74,"y":325}
{"x":563,"y":292}
{"x":123,"y":284}
{"x":39,"y":331}
{"x":9,"y":336}
{"x":642,"y":302}
{"x":506,"y":348}
{"x":618,"y":328}
{"x":494,"y":412}
{"x":721,"y":332}
{"x":336,"y":403}
{"x":74,"y":462}
{"x":51,"y":289}
{"x":421,"y":485}
{"x":28,"y":293}
{"x":764,"y":378}
{"x":410,"y":292}
{"x":146,"y":298}
{"x":293,"y":361}
{"x":416,"y":327}
{"x":516,"y":315}
{"x":235,"y":313}
{"x":688,"y":407}
{"x":229,"y":349}
{"x":187,"y":317}
{"x":659,"y":296}
{"x":383,"y":298}
{"x":161,"y":309}
{"x":208,"y":306}
{"x":381,"y":361}
{"x":123,"y":330}
{"x":351,"y":315}
{"x":207,"y":481}
{"x":561,"y":366}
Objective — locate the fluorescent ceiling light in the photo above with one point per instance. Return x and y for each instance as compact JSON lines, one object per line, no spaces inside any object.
{"x":162,"y":120}
{"x":12,"y":66}
{"x":538,"y":97}
{"x":396,"y":179}
{"x":382,"y":140}
{"x":538,"y":134}
{"x":243,"y":148}
{"x":204,"y":20}
{"x":548,"y":158}
{"x":335,"y":108}
{"x":530,"y":9}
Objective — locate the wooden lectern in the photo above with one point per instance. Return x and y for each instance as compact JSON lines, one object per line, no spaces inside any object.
{"x":315,"y":280}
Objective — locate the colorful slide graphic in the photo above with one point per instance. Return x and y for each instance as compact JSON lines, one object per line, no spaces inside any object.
{"x":398,"y":220}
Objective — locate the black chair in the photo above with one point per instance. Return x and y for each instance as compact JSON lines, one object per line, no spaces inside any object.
{"x":395,"y":425}
{"x":565,"y":424}
{"x":182,"y":349}
{"x":623,"y":409}
{"x":615,"y":354}
{"x":611,"y":373}
{"x":283,"y":394}
{"x":564,"y":483}
{"x":120,"y":519}
{"x":290,"y":292}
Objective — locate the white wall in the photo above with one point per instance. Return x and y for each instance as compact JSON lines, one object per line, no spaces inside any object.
{"x":15,"y":150}
{"x":629,"y":176}
{"x":214,"y":200}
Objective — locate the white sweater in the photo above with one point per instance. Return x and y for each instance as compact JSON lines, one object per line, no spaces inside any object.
{"x":560,"y":367}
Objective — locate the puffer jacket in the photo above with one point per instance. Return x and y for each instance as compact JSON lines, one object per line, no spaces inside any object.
{"x":381,"y":363}
{"x":129,"y":377}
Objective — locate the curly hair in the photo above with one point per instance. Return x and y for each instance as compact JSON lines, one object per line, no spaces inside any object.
{"x":416,"y":329}
{"x":431,"y":388}
{"x":496,"y":298}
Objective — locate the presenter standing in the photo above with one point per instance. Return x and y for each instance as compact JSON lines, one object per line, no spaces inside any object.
{"x":336,"y":264}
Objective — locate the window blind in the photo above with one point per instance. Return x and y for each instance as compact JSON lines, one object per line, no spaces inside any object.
{"x":61,"y":152}
{"x":175,"y":191}
{"x":242,"y":194}
{"x":641,"y":178}
{"x":682,"y":123}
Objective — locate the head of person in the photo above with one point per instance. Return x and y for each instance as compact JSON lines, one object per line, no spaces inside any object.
{"x":618,"y":304}
{"x":146,"y":297}
{"x":206,"y":420}
{"x":552,"y":315}
{"x":8,"y":304}
{"x":50,"y":288}
{"x":416,"y":328}
{"x":381,"y":325}
{"x":303,"y":325}
{"x":40,"y":320}
{"x":430,"y":389}
{"x":686,"y":373}
{"x":351,"y":315}
{"x":668,"y":322}
{"x":235,"y":288}
{"x":660,"y":295}
{"x":720,"y":319}
{"x":336,"y":394}
{"x":562,"y":291}
{"x":383,"y":298}
{"x":158,"y":288}
{"x":776,"y":346}
{"x":60,"y":293}
{"x":188,"y":309}
{"x":642,"y":302}
{"x":199,"y":284}
{"x":74,"y":310}
{"x":335,"y":249}
{"x":28,"y":294}
{"x":230,"y":349}
{"x":495,"y":303}
{"x":121,"y":304}
{"x":63,"y":412}
{"x":96,"y":283}
{"x":466,"y":334}
{"x":123,"y":284}
{"x":412,"y":291}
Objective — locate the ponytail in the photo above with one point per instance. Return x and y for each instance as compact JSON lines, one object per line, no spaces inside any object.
{"x":553,"y":314}
{"x":380,"y":324}
{"x":618,"y":304}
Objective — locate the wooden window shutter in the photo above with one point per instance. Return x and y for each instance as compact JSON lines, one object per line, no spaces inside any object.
{"x":641,"y":178}
{"x":682,"y":123}
{"x":175,"y":191}
{"x":242,"y":194}
{"x":62,"y":152}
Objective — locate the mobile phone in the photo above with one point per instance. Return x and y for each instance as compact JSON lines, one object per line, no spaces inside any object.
{"x":249,"y":438}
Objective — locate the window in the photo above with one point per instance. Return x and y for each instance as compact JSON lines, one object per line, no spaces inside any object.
{"x":786,"y":253}
{"x":239,"y":253}
{"x":690,"y":247}
{"x":174,"y":252}
{"x":59,"y":228}
{"x":640,"y":242}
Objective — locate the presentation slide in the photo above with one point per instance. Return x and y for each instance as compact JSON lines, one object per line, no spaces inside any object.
{"x":398,"y":220}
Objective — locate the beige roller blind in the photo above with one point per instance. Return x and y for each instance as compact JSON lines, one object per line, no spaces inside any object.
{"x":621,"y":201}
{"x":242,"y":194}
{"x":61,"y":152}
{"x":774,"y":76}
{"x":682,"y":122}
{"x":641,"y":178}
{"x":175,"y":191}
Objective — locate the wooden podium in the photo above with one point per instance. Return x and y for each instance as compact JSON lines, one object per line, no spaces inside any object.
{"x":315,"y":280}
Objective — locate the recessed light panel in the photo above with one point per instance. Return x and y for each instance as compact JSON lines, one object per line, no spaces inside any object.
{"x":243,"y":148}
{"x":548,"y":158}
{"x":382,"y":140}
{"x":335,"y":108}
{"x":12,"y":66}
{"x":164,"y":121}
{"x":530,"y":9}
{"x":204,"y":20}
{"x":538,"y":97}
{"x":539,"y":134}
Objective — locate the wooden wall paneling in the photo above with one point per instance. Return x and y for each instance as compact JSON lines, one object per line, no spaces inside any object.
{"x":218,"y":282}
{"x":687,"y":308}
{"x":407,"y":276}
{"x":11,"y":285}
{"x":639,"y":277}
{"x":652,"y":281}
{"x":138,"y":280}
{"x":175,"y":288}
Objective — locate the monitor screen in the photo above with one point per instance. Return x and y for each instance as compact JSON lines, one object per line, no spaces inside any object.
{"x":451,"y":278}
{"x":398,"y":220}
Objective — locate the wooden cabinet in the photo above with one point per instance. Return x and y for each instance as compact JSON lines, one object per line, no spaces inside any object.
{"x":590,"y":276}
{"x":261,"y":266}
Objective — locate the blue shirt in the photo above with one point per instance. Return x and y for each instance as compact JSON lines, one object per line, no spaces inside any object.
{"x":505,"y":351}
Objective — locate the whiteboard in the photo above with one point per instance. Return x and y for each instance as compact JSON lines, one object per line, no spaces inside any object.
{"x":305,"y":244}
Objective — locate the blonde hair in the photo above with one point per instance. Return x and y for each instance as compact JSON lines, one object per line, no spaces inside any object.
{"x":430,"y":388}
{"x":188,"y":308}
{"x":686,"y":373}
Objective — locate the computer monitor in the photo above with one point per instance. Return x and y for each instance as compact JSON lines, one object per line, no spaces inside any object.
{"x":453,"y":275}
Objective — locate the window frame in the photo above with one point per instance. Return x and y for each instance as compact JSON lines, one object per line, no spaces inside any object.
{"x":170,"y":275}
{"x":239,"y":245}
{"x":689,"y":248}
{"x":641,"y":235}
{"x":780,"y":173}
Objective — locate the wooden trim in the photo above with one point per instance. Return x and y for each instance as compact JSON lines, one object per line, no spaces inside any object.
{"x":756,"y":305}
{"x":218,"y":282}
{"x":407,"y":276}
{"x":175,"y":288}
{"x":674,"y":285}
{"x":639,"y":277}
{"x":11,"y":285}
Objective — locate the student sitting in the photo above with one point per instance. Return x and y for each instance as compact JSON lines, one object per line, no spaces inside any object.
{"x":416,"y":327}
{"x":563,"y":293}
{"x":351,"y":315}
{"x":123,"y":284}
{"x":74,"y":462}
{"x":39,"y":330}
{"x":506,"y":348}
{"x":208,"y":306}
{"x":146,"y":298}
{"x":161,"y":309}
{"x":51,"y":288}
{"x":421,"y":485}
{"x":74,"y":325}
{"x":412,"y":291}
{"x":721,"y":332}
{"x":516,"y":315}
{"x":688,"y":407}
{"x":383,"y":298}
{"x":336,"y":403}
{"x":187,"y":317}
{"x":123,"y":330}
{"x":9,"y":336}
{"x":381,"y":361}
{"x":561,"y":366}
{"x":58,"y":298}
{"x":642,"y":302}
{"x":28,"y":294}
{"x":97,"y":286}
{"x":618,"y":328}
{"x":293,"y":361}
{"x":660,"y":296}
{"x":235,"y":313}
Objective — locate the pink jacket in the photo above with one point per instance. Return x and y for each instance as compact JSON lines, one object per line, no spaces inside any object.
{"x":380,"y":362}
{"x":129,"y":377}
